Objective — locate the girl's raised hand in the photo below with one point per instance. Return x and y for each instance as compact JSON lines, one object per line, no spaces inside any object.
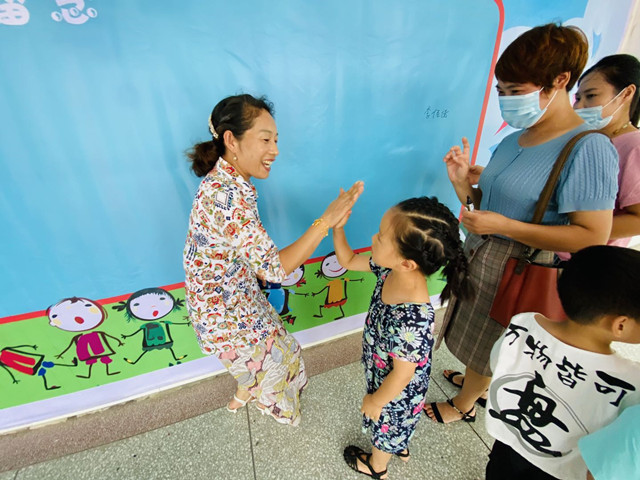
{"x":457,"y":160}
{"x":339,"y":210}
{"x":343,"y":220}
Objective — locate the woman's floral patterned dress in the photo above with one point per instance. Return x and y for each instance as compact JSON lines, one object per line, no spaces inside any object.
{"x":226,"y":251}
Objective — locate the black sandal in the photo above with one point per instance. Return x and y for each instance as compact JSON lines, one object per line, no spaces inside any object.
{"x":404,"y":456}
{"x":449,"y":378}
{"x":352,"y":454}
{"x":466,"y":417}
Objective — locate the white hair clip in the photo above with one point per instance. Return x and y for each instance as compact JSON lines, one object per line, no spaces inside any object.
{"x":212,"y":130}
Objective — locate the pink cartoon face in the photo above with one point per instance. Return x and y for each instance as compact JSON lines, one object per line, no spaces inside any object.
{"x":150,"y":304}
{"x":331,"y":268}
{"x":76,"y":314}
{"x":294,"y":277}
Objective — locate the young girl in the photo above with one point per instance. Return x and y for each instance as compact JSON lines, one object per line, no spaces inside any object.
{"x":416,"y":238}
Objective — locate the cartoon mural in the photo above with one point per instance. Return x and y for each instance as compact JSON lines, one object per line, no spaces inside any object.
{"x":336,"y":287}
{"x":150,"y":305}
{"x":29,"y":363}
{"x":77,"y":314}
{"x":73,"y":12}
{"x":127,"y":166}
{"x":278,"y":294}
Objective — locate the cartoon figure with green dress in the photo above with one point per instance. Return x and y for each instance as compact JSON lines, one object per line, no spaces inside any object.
{"x":150,"y":305}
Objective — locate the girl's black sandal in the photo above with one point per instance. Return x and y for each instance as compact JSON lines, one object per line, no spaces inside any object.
{"x":352,"y":454}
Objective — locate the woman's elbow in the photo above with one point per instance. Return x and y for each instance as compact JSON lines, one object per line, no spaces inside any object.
{"x":595,"y":236}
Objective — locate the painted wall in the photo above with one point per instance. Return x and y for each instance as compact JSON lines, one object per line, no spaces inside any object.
{"x":100,"y":99}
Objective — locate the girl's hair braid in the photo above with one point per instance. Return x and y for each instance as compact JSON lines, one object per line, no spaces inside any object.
{"x":427,"y":233}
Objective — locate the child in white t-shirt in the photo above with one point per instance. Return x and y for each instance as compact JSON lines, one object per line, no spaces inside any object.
{"x":555,"y":382}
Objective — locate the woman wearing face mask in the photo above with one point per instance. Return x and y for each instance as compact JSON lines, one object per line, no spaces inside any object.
{"x":534,"y":75}
{"x":609,"y":98}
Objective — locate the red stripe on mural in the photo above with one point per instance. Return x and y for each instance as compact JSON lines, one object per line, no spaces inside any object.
{"x":319,"y":259}
{"x":104,"y":301}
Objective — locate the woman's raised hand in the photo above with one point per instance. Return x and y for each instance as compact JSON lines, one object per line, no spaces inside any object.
{"x":457,"y":160}
{"x":338,"y":211}
{"x":474,"y":174}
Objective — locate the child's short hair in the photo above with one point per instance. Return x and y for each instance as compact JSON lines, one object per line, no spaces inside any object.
{"x":601,"y":280}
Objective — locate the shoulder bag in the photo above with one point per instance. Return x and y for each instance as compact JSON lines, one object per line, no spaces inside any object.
{"x":527,"y":286}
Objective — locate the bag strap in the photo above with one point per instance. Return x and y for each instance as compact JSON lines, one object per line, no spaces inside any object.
{"x":547,"y":191}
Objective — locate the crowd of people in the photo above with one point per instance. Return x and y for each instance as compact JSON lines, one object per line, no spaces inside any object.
{"x":559,"y":400}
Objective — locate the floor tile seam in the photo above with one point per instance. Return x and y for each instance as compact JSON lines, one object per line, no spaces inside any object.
{"x":253,"y":459}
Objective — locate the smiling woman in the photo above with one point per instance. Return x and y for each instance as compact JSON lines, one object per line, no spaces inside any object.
{"x":228,"y":250}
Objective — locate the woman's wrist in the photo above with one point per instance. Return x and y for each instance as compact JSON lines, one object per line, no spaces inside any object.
{"x":321,"y":224}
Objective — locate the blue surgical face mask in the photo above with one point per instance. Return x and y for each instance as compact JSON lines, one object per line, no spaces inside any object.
{"x":522,"y":111}
{"x":592,"y":116}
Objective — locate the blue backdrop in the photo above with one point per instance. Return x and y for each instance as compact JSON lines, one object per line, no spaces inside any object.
{"x":100,"y":99}
{"x":96,"y":115}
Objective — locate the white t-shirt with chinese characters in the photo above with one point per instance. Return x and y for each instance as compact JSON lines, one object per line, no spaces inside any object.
{"x":545,"y":395}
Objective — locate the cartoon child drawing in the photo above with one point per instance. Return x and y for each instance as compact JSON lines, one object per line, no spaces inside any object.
{"x":278,"y":294}
{"x":77,"y":314}
{"x":336,"y":287}
{"x":150,"y":305}
{"x":294,"y":279}
{"x":29,"y":363}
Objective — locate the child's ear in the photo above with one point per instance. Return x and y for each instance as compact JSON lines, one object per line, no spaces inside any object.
{"x":409,"y":265}
{"x":619,"y":326}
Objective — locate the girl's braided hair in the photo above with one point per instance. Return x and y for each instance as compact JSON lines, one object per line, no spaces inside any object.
{"x":427,"y":233}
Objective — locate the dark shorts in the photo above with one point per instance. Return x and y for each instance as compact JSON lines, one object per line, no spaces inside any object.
{"x":507,"y":464}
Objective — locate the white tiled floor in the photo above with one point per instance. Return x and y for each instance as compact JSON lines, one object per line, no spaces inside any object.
{"x":219,"y":445}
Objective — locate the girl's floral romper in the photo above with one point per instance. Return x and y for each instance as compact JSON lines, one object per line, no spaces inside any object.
{"x":403,"y":332}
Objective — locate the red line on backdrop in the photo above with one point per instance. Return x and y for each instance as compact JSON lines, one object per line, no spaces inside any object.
{"x":121,"y":298}
{"x":104,"y":301}
{"x":494,"y":60}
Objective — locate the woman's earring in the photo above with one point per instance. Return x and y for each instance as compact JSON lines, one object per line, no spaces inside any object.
{"x":235,"y":159}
